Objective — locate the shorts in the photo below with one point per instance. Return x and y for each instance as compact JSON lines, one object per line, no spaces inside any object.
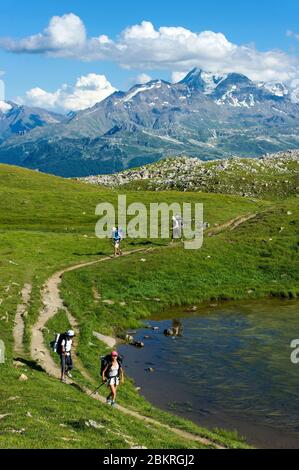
{"x":113,"y":381}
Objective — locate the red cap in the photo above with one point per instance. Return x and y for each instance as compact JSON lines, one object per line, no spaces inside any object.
{"x":114,"y":353}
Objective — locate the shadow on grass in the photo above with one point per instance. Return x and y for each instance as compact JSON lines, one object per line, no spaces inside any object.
{"x":32,"y":364}
{"x":100,"y":253}
{"x":146,"y":243}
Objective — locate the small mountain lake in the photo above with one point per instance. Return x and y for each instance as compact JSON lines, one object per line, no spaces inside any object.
{"x":229,"y":367}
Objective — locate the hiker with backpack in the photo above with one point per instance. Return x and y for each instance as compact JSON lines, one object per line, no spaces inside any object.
{"x":62,"y":345}
{"x":112,"y":374}
{"x":117,"y":238}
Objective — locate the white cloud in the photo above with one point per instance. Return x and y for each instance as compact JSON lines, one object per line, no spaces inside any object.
{"x":87,"y":91}
{"x":142,"y":78}
{"x":292,"y":34}
{"x":144,"y":47}
{"x":64,"y":35}
{"x":2,"y":90}
{"x":4,"y":107}
{"x":178,"y":76}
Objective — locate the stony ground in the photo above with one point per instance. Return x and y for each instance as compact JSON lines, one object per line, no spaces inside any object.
{"x":274,"y":175}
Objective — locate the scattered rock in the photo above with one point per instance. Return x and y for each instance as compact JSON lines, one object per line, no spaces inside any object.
{"x":191,"y":174}
{"x":18,"y":431}
{"x":129,"y":338}
{"x":155,"y":328}
{"x":93,"y":424}
{"x":137,"y":344}
{"x":150,"y":369}
{"x":5,"y":317}
{"x":23,"y":378}
{"x":108,"y":302}
{"x":70,"y":439}
{"x":18,"y":364}
{"x":4,"y":416}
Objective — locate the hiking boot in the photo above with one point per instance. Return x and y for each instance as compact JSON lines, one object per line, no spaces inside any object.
{"x":69,"y":374}
{"x":113,"y":403}
{"x":109,"y":401}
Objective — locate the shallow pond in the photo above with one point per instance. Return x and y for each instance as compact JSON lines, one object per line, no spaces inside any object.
{"x":230,"y":369}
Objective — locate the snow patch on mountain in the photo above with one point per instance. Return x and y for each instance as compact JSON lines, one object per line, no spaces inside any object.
{"x":211,"y":81}
{"x":140,"y":89}
{"x":276,"y":89}
{"x":228,"y":98}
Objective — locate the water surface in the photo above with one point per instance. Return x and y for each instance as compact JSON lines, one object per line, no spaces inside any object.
{"x":231,"y":368}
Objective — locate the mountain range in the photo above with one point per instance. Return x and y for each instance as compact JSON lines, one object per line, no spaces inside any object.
{"x":208,"y":116}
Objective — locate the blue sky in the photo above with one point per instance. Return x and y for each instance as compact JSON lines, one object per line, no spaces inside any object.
{"x":259,"y":25}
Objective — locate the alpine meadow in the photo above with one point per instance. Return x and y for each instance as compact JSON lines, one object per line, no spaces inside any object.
{"x":149,"y":230}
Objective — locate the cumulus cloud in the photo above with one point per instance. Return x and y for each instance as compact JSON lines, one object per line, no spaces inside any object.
{"x":142,"y":46}
{"x":87,"y":91}
{"x":142,"y":78}
{"x":178,"y":76}
{"x":64,"y":35}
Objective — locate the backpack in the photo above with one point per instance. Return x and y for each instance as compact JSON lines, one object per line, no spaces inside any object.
{"x":56,"y":343}
{"x":107,"y":361}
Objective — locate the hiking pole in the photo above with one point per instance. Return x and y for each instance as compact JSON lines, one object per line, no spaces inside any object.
{"x":96,"y":389}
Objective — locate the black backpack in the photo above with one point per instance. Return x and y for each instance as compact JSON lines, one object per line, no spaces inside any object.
{"x":56,"y":344}
{"x":107,"y":361}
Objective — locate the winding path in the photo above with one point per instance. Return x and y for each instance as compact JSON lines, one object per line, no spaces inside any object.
{"x":52,"y":303}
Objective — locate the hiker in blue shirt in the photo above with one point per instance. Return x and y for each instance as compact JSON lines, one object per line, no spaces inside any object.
{"x":117,"y":238}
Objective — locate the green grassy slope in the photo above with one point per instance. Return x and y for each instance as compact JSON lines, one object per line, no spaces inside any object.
{"x":47,"y":223}
{"x":258,"y":259}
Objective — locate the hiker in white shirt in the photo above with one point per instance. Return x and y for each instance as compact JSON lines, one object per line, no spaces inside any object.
{"x":66,"y":355}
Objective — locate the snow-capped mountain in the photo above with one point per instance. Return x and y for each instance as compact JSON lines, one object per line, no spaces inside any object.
{"x":205,"y":115}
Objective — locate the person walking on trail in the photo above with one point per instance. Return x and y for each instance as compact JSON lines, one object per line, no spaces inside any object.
{"x":66,"y":354}
{"x":177,"y":226}
{"x":117,"y":238}
{"x":112,"y":375}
